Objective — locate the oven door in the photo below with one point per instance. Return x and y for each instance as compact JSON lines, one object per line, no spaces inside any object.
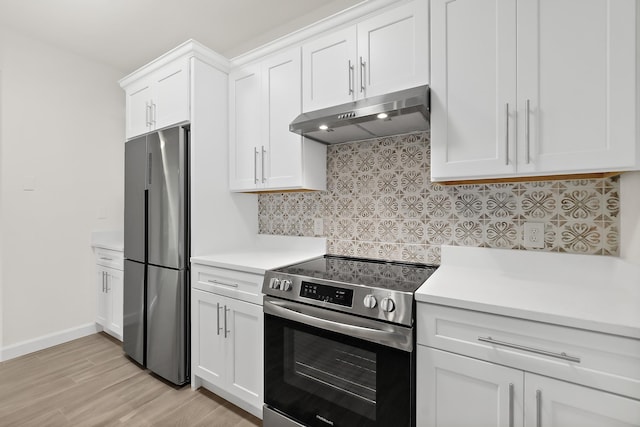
{"x":325,"y":368}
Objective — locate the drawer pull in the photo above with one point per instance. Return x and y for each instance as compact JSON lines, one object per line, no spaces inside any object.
{"x":106,"y":259}
{"x":216,"y":282}
{"x":563,"y":356}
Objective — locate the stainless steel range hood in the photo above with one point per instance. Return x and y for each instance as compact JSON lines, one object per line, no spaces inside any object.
{"x":390,"y":114}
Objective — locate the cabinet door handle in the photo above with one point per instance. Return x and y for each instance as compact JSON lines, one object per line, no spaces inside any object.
{"x":527,"y":130}
{"x":226,"y":331}
{"x":511,"y":405}
{"x":217,"y":282}
{"x":153,"y":112}
{"x":563,"y":355}
{"x":507,"y":133}
{"x":147,"y":113}
{"x":218,"y":328}
{"x":255,"y":164}
{"x":350,"y":72}
{"x":538,"y":408}
{"x":103,"y":282}
{"x":264,"y":152}
{"x":363,"y":75}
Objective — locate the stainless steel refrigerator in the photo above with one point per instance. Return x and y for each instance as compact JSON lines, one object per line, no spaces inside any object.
{"x":156,"y":251}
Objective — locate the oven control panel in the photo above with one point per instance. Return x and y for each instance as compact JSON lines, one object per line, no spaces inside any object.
{"x":382,"y":304}
{"x":330,"y":294}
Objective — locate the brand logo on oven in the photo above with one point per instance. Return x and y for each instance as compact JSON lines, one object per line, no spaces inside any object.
{"x":324,"y":420}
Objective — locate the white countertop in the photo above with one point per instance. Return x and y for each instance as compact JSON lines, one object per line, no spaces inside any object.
{"x":108,"y":239}
{"x":268,"y":252}
{"x":590,"y":292}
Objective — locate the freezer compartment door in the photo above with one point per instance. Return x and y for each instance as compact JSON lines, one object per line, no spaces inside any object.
{"x":135,"y":176}
{"x":133,"y":310}
{"x":167,"y":198}
{"x":167,"y":326}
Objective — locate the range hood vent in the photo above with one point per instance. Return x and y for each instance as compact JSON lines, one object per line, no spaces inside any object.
{"x":391,"y":114}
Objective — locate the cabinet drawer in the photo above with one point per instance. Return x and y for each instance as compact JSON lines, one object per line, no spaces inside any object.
{"x":109,"y":258}
{"x":231,"y":283}
{"x":594,"y":359}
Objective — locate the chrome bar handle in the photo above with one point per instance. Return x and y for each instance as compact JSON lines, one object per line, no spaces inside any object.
{"x":217,"y":282}
{"x":350,"y":71}
{"x":538,"y":408}
{"x":218,"y":318}
{"x":147,"y":113}
{"x":153,"y":112}
{"x":264,"y":152}
{"x":507,"y":135}
{"x":563,"y":355}
{"x":149,"y":168}
{"x":103,"y":282}
{"x":363,"y":75}
{"x":510,"y":404}
{"x":226,"y":331}
{"x":106,"y":259}
{"x":526,"y":130}
{"x":255,"y":164}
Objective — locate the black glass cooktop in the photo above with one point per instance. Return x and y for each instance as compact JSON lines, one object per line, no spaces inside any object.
{"x":397,"y":276}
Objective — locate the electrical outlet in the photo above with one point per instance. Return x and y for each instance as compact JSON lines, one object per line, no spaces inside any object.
{"x":318,"y":226}
{"x":534,"y":234}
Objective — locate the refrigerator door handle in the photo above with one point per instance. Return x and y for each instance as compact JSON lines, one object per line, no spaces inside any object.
{"x":149,"y":170}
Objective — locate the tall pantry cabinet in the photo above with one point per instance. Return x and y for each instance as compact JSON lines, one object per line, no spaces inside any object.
{"x":533,"y":87}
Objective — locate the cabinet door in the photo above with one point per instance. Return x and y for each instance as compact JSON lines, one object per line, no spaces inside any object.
{"x":245,"y":330}
{"x":207,"y":336}
{"x":171,"y":94}
{"x":554,"y":403}
{"x":245,"y":162}
{"x":138,"y":107}
{"x":115,"y":283}
{"x":577,"y":74}
{"x":281,"y":103}
{"x":458,"y":391}
{"x":473,"y":88}
{"x":393,"y":50}
{"x":102,"y":298}
{"x":329,"y":70}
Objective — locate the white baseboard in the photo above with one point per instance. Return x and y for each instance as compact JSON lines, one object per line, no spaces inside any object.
{"x":46,"y":341}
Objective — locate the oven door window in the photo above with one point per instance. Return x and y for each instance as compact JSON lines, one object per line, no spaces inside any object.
{"x":325,"y":379}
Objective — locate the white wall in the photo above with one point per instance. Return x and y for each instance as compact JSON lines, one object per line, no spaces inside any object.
{"x":630,"y":217}
{"x":62,"y":134}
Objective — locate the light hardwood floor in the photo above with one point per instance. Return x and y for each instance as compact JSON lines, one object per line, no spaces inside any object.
{"x":89,"y":382}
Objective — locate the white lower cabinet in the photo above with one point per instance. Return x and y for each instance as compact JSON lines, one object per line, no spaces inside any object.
{"x":458,"y":391}
{"x":481,"y":369}
{"x":227,"y":346}
{"x":109,"y":291}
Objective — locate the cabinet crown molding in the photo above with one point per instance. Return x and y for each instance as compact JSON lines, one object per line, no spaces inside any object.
{"x":348,"y":16}
{"x":190,"y":48}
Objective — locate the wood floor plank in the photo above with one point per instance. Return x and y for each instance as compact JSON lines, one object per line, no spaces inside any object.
{"x":90,"y":382}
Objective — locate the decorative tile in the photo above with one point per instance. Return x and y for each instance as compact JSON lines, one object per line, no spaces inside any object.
{"x":380,"y":203}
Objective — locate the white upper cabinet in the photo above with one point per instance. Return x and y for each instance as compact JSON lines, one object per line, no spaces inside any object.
{"x":159,"y":99}
{"x":533,"y":87}
{"x":245,"y":164}
{"x":265,"y":156}
{"x":385,"y":53}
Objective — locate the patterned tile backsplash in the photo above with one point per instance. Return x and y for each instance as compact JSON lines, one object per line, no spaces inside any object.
{"x":380,"y":203}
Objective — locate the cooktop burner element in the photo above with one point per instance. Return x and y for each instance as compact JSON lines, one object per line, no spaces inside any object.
{"x":365,"y":287}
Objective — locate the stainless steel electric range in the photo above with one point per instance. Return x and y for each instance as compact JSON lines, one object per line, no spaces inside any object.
{"x":339,"y":343}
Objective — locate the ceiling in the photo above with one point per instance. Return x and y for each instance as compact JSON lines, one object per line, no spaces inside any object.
{"x":127,"y":34}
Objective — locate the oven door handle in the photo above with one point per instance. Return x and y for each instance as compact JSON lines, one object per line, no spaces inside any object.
{"x":399,"y":337}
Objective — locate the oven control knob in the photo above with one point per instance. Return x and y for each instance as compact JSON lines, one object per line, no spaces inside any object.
{"x":274,"y":283}
{"x":370,"y":301}
{"x":285,"y":285}
{"x":387,"y":305}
